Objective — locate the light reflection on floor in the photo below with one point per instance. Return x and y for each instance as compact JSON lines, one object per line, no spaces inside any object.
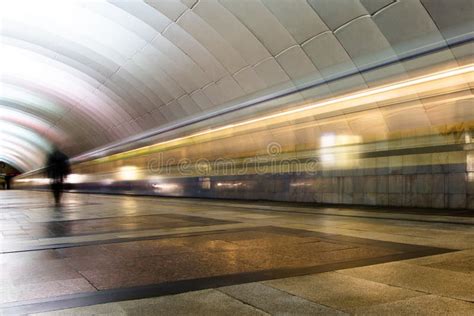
{"x":259,"y":252}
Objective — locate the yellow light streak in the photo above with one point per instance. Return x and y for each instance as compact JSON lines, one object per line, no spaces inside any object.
{"x":349,"y":97}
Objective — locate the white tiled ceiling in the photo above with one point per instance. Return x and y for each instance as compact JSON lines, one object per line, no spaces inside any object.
{"x":118,"y":68}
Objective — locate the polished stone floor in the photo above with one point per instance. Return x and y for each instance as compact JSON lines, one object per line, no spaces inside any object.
{"x":123,"y":255}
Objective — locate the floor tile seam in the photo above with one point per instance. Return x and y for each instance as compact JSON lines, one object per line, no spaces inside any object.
{"x":243,"y":302}
{"x":421,"y":292}
{"x":303,"y":298}
{"x":78,"y":271}
{"x":382,"y":283}
{"x":403,"y":288}
{"x":85,"y":278}
{"x":266,"y":283}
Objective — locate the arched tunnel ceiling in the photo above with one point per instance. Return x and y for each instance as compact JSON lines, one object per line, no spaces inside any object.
{"x":84,"y":73}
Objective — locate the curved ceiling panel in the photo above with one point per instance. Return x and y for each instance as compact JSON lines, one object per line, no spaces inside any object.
{"x":25,"y":148}
{"x":42,"y":127}
{"x":81,"y":73}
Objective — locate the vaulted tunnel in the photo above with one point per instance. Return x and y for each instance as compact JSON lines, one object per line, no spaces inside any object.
{"x":100,"y":78}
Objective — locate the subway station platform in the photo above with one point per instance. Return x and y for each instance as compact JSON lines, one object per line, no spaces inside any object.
{"x":130,"y":255}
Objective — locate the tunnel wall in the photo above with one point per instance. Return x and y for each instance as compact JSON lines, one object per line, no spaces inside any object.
{"x":407,"y":143}
{"x":383,"y":181}
{"x":425,"y":180}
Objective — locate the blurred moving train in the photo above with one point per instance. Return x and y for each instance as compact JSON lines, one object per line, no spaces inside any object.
{"x":402,"y":141}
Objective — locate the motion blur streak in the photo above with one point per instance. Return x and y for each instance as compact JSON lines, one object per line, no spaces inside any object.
{"x":307,"y":151}
{"x":448,"y":80}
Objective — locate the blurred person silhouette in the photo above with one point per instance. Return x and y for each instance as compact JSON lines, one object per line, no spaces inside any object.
{"x":57,"y":169}
{"x":8,"y":182}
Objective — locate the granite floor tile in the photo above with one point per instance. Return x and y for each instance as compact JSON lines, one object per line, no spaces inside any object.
{"x":419,"y":278}
{"x":47,"y":289}
{"x":206,"y":302}
{"x":205,"y":239}
{"x":146,"y":248}
{"x":82,"y":251}
{"x":460,"y":261}
{"x":29,"y":257}
{"x":341,"y":292}
{"x":276,"y":302}
{"x":304,"y":257}
{"x":159,"y":269}
{"x":34,"y":272}
{"x":298,"y":257}
{"x":425,"y":305}
{"x":101,"y":309}
{"x":104,"y":262}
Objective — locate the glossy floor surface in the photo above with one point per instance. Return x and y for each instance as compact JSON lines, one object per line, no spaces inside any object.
{"x":118,"y":255}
